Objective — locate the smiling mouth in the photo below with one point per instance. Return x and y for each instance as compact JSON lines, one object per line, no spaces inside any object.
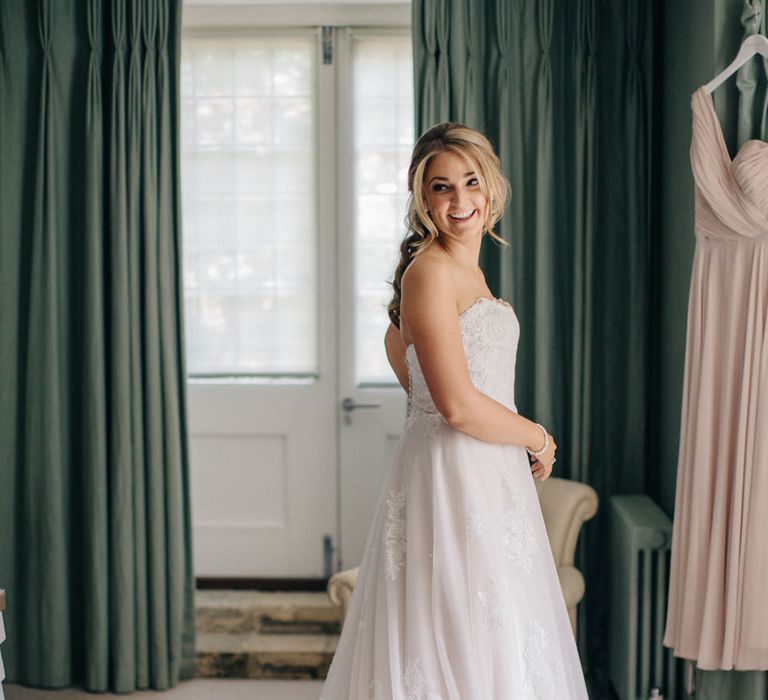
{"x":462,"y":216}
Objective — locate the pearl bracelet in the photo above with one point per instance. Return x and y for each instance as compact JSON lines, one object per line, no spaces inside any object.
{"x":540,"y":452}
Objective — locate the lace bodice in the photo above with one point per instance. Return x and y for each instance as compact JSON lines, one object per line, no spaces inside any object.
{"x":489,"y":332}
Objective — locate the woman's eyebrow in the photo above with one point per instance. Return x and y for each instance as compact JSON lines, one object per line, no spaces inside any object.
{"x":441,"y":177}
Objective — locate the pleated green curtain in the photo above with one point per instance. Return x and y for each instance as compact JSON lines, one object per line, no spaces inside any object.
{"x":95,"y":543}
{"x":564,"y":90}
{"x":751,"y":123}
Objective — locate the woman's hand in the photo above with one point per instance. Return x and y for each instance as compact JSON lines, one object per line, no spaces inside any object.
{"x":541,"y":467}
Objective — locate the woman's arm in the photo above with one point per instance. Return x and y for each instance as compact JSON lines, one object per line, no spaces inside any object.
{"x":395,"y":347}
{"x":429,"y":309}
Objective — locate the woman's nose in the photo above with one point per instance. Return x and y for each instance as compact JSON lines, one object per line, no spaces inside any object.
{"x":458,"y":196}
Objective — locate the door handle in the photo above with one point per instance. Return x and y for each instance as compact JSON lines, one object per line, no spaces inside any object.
{"x":349,"y":405}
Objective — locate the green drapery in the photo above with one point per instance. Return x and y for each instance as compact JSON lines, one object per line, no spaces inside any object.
{"x":564,"y":91}
{"x":751,"y":117}
{"x":95,"y":545}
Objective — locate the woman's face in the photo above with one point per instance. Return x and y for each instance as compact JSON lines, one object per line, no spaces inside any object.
{"x":453,"y":195}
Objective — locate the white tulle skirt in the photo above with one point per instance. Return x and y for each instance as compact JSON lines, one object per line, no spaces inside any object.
{"x":457,"y":596}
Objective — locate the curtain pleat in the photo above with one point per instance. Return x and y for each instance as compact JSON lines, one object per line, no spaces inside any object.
{"x":581,"y":308}
{"x":540,"y":227}
{"x":44,"y":482}
{"x":495,"y":125}
{"x":584,"y":208}
{"x":11,"y":82}
{"x":470,"y":102}
{"x":122,"y":586}
{"x":508,"y":128}
{"x":177,"y":508}
{"x":153,"y":415}
{"x":96,"y":557}
{"x":570,"y":119}
{"x":636,"y":118}
{"x":140,"y":569}
{"x":431,"y":63}
{"x":94,"y":476}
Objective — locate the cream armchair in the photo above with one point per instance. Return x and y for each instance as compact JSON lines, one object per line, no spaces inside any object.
{"x":566,"y":505}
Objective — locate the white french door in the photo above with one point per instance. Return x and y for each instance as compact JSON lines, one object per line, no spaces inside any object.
{"x":292,"y":181}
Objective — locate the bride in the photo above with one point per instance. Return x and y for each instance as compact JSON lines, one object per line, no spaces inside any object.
{"x":457,"y":596}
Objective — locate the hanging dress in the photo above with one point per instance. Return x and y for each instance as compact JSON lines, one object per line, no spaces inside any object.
{"x":457,"y":596}
{"x":718,"y":595}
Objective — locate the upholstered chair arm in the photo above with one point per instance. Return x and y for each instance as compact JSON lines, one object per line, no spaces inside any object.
{"x":565,"y":505}
{"x":340,"y":587}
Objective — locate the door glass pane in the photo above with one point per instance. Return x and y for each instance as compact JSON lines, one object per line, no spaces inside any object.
{"x":383,"y":139}
{"x":249,"y":205}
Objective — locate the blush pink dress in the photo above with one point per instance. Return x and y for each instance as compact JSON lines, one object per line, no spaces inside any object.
{"x":718,"y":595}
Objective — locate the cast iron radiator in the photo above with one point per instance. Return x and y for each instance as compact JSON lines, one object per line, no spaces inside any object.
{"x":641,"y":539}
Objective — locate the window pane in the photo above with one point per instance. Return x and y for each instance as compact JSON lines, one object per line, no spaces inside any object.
{"x":383,"y":139}
{"x":249,"y":204}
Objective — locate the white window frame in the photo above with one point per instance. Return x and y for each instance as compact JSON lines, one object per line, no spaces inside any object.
{"x":335,"y":206}
{"x":323,"y":132}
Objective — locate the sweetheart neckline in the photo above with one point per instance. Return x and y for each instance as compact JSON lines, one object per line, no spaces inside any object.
{"x":475,"y":303}
{"x":719,"y":129}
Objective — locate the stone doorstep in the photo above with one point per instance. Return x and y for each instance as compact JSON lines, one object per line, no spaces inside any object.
{"x":279,"y":612}
{"x":254,"y":655}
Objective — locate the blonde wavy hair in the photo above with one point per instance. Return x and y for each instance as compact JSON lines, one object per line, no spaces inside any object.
{"x":422,"y":232}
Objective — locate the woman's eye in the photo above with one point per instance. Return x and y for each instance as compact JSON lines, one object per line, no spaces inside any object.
{"x":442,"y":187}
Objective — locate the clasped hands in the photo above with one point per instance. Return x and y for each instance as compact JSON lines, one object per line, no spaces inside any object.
{"x":541,"y":466}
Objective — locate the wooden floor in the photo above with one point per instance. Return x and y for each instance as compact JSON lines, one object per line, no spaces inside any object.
{"x":201,"y":689}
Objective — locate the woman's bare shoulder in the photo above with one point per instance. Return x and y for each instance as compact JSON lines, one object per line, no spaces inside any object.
{"x":428,"y":296}
{"x":428,"y":270}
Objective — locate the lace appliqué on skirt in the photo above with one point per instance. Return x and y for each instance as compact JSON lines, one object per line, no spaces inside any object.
{"x":475,"y":525}
{"x":519,"y":538}
{"x":494,"y":599}
{"x":395,"y":533}
{"x":416,"y":686}
{"x":538,"y":665}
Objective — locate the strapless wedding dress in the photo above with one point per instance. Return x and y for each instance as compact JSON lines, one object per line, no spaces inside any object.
{"x":457,"y":596}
